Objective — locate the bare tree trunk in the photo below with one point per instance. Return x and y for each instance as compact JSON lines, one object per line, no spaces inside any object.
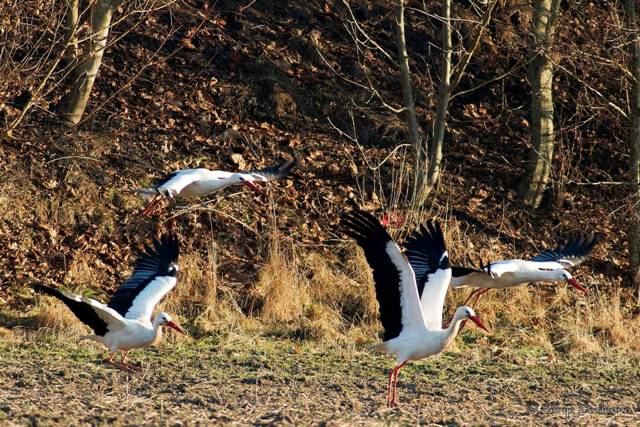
{"x":447,"y":84}
{"x":444,"y":94}
{"x":407,"y":95}
{"x":72,"y":17}
{"x":86,"y":70}
{"x":634,"y":137}
{"x":538,"y":169}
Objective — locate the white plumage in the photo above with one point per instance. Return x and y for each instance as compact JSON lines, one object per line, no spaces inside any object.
{"x":125,"y":323}
{"x":410,"y":291}
{"x":548,"y":266}
{"x":189,"y":183}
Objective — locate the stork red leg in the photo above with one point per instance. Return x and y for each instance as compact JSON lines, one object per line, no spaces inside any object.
{"x":394,"y":401}
{"x":391,"y":373}
{"x":128,"y":365}
{"x":120,"y":365}
{"x":479,"y":295}
{"x":471,"y":295}
{"x":155,"y":201}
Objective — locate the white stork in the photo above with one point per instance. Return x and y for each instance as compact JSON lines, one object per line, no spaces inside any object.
{"x":550,"y":265}
{"x":187,"y":183}
{"x":410,"y":292}
{"x":125,"y":323}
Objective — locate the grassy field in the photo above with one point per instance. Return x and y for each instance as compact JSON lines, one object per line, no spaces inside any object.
{"x":51,"y":380}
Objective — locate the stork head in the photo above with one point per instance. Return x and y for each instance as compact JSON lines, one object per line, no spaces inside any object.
{"x":564,"y":275}
{"x":249,"y":180}
{"x":466,"y":313}
{"x":164,"y":319}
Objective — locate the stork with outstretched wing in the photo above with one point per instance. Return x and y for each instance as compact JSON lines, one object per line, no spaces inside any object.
{"x":189,"y":183}
{"x":125,"y":323}
{"x":551,"y":265}
{"x":410,"y":291}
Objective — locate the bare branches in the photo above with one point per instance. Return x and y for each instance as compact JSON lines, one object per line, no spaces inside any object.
{"x":466,"y":58}
{"x":593,"y":90}
{"x":39,"y":59}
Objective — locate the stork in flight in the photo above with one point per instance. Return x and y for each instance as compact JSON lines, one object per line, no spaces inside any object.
{"x":410,"y":291}
{"x":125,"y":322}
{"x":188,"y":183}
{"x":550,"y":265}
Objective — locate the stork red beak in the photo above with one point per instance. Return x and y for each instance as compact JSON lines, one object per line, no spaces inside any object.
{"x":252,"y":186}
{"x":175,"y":326}
{"x":573,"y":282}
{"x":477,"y":321}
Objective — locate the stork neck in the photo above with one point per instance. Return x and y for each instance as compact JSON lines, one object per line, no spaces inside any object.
{"x":451,"y":331}
{"x":157,"y":328}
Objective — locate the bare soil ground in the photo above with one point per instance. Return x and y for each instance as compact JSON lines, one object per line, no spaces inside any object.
{"x":256,"y":380}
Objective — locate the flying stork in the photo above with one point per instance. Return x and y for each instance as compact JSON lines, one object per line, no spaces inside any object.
{"x":188,"y":183}
{"x":550,"y":265}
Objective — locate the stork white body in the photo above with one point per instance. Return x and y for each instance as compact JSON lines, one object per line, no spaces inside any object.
{"x":422,"y":341}
{"x":125,"y":323}
{"x":410,"y":291}
{"x":512,"y":273}
{"x":189,"y":183}
{"x":548,"y":266}
{"x":125,"y":334}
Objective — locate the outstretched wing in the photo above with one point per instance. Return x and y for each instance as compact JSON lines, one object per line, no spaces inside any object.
{"x":429,"y":259}
{"x":394,"y":279}
{"x":275,"y":172}
{"x":92,"y":313}
{"x":570,"y":254}
{"x":154,"y":275}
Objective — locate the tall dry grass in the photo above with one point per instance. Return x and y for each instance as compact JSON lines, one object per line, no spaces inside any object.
{"x":200,"y":299}
{"x":331,"y":298}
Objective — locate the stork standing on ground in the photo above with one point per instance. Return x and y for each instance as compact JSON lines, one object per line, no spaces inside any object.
{"x":550,"y":265}
{"x":188,"y":183}
{"x":125,"y":323}
{"x":410,"y":292}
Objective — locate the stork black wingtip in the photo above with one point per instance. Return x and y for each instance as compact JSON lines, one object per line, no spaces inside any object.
{"x":39,"y":287}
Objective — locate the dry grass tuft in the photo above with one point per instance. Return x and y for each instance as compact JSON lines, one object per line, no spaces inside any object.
{"x":353,"y":299}
{"x":282,"y":290}
{"x":599,"y":325}
{"x":322,"y":323}
{"x":201,"y":298}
